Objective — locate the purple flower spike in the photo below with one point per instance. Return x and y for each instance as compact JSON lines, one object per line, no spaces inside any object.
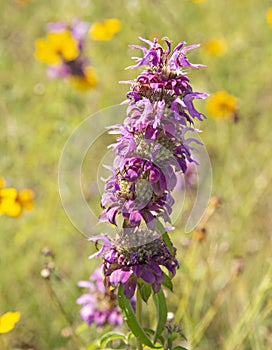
{"x":151,"y":148}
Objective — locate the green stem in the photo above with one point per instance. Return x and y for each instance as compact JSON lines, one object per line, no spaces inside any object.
{"x":139,"y":315}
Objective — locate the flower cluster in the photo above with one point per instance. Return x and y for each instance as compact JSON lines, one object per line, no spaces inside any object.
{"x":63,"y":50}
{"x":12,"y":201}
{"x":154,"y":143}
{"x":100,"y":303}
{"x":136,"y":253}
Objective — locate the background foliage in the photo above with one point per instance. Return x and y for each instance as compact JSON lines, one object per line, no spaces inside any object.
{"x":223,"y":291}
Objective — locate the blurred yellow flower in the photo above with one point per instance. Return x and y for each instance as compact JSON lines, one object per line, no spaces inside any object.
{"x":8,"y":321}
{"x":2,"y":182}
{"x":12,"y":202}
{"x":214,"y":47}
{"x":26,"y":199}
{"x":105,"y":30}
{"x":222,"y":105}
{"x":198,"y":0}
{"x":269,"y":16}
{"x":57,"y":47}
{"x":87,"y":81}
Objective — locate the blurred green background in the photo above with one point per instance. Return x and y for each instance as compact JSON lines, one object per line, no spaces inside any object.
{"x":223,"y":290}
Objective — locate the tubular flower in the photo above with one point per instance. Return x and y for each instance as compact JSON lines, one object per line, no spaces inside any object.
{"x":63,"y":51}
{"x":222,"y":105}
{"x":100,"y":304}
{"x":136,"y":256}
{"x":138,"y":190}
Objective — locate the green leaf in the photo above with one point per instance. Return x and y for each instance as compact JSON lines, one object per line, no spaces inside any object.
{"x":179,"y":348}
{"x":93,"y":346}
{"x":167,"y":282}
{"x":161,"y":307}
{"x":152,"y":332}
{"x":81,"y":328}
{"x":165,"y":236}
{"x":145,"y":291}
{"x":131,"y":320}
{"x":110,"y":336}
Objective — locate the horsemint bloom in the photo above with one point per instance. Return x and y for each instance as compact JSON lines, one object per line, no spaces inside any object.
{"x":153,"y":144}
{"x":136,"y":255}
{"x":152,"y":147}
{"x":100,"y":304}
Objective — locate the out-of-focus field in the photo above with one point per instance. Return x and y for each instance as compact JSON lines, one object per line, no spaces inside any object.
{"x":223,"y":290}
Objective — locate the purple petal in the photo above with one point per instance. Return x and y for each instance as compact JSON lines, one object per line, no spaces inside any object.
{"x":156,"y":287}
{"x":147,"y":275}
{"x":130,"y":286}
{"x":119,"y":276}
{"x":135,"y":218}
{"x":107,"y":244}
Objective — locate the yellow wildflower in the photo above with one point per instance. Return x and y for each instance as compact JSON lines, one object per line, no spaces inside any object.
{"x":105,"y":30}
{"x":8,"y":321}
{"x":2,"y":182}
{"x":12,"y":202}
{"x":198,"y":1}
{"x":269,"y":16}
{"x":222,"y":105}
{"x":25,"y":198}
{"x":214,"y":47}
{"x":85,"y":82}
{"x":57,"y":47}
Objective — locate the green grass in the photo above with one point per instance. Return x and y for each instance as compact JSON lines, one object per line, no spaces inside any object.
{"x":217,"y":309}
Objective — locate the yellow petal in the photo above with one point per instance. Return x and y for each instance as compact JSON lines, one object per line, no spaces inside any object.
{"x":10,"y":207}
{"x":215,"y":47}
{"x":8,"y":321}
{"x":269,"y":16}
{"x":87,"y":82}
{"x":64,"y":44}
{"x":222,"y":105}
{"x":113,"y":25}
{"x":25,"y":198}
{"x":45,"y":53}
{"x":2,"y":182}
{"x":8,"y":192}
{"x":105,"y":30}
